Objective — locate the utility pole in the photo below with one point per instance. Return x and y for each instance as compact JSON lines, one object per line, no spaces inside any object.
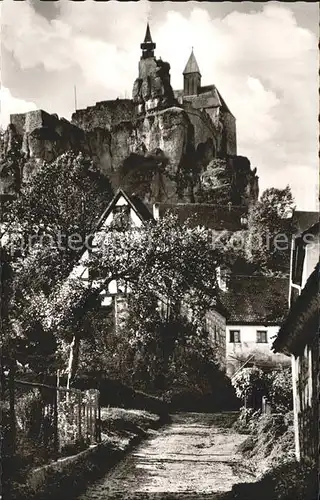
{"x":75,"y":98}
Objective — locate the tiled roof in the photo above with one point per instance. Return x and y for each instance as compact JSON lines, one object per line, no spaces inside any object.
{"x":208,"y":96}
{"x":256,"y":300}
{"x":303,"y":220}
{"x":140,"y":207}
{"x":218,"y":217}
{"x":302,"y":322}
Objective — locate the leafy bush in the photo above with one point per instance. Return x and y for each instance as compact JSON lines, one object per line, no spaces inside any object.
{"x":252,"y":383}
{"x":250,"y":386}
{"x":247,"y":420}
{"x":279,"y":384}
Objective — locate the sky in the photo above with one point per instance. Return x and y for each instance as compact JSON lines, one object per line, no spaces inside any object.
{"x":262,"y":56}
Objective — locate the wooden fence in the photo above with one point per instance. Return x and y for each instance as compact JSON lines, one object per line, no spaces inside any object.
{"x":44,"y":422}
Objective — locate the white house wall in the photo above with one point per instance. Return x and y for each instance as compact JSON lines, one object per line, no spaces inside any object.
{"x":238,"y":352}
{"x":81,"y":270}
{"x":311,"y":260}
{"x":121,"y":201}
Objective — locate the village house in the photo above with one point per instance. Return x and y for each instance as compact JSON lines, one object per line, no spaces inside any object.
{"x":298,"y":338}
{"x":255,"y":308}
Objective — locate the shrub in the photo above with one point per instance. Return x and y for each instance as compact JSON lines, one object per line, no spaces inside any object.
{"x":250,"y":385}
{"x":279,"y":384}
{"x":294,"y":481}
{"x":247,"y":420}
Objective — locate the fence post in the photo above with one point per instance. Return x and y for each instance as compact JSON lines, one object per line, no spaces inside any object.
{"x":263,"y":404}
{"x":12,"y":413}
{"x":98,"y":421}
{"x":90,"y":419}
{"x":55,"y":423}
{"x":79,"y":414}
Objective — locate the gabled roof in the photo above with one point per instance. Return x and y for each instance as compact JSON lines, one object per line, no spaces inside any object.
{"x":302,"y":322}
{"x":208,"y":97}
{"x":303,"y":220}
{"x":133,"y":201}
{"x":224,"y":106}
{"x":216,"y":217}
{"x":192,"y":65}
{"x":259,"y":300}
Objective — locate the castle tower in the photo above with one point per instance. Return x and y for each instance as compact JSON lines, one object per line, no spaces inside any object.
{"x":147,"y":45}
{"x":191,"y":76}
{"x":152,"y":89}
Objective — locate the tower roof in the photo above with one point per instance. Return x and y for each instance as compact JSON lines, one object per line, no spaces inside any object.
{"x":147,"y":37}
{"x":148,"y":45}
{"x":192,"y":65}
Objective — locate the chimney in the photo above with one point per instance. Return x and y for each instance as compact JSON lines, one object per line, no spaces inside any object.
{"x":156,"y":214}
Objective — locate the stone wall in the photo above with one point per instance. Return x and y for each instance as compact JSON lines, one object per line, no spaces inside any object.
{"x":216,"y":327}
{"x":104,"y":114}
{"x":204,"y":128}
{"x":229,"y":138}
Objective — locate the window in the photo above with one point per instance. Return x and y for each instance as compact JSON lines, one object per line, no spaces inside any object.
{"x":121,"y":217}
{"x":262,"y":337}
{"x":235,"y":336}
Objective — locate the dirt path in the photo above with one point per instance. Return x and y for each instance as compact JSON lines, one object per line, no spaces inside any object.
{"x":191,"y":458}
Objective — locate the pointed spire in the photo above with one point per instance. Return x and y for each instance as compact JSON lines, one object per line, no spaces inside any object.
{"x":192,"y":65}
{"x":148,"y":38}
{"x":147,"y":46}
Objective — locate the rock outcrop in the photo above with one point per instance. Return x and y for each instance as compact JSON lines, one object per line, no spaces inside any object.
{"x":152,"y":89}
{"x":187,"y":128}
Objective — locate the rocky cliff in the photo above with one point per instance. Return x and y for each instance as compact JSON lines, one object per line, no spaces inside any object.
{"x":172,"y":142}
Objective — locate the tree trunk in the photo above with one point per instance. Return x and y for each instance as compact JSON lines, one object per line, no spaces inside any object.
{"x":73,"y":359}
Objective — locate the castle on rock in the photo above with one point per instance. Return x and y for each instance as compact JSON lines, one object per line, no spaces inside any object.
{"x":175,"y":139}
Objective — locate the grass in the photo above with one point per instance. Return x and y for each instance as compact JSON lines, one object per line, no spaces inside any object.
{"x":269,"y":452}
{"x":271,"y":442}
{"x":121,"y":428}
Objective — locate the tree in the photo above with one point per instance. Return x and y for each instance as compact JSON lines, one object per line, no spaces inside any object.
{"x":280,"y":390}
{"x":58,"y":206}
{"x":62,"y":202}
{"x":166,"y":256}
{"x":160,"y":260}
{"x":215,"y":183}
{"x":270,"y":228}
